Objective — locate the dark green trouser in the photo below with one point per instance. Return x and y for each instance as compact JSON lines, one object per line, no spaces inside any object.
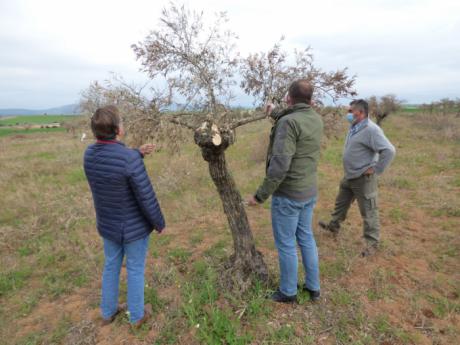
{"x":365,"y":190}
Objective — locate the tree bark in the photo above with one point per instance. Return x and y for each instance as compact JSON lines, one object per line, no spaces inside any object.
{"x":380,"y":117}
{"x":246,"y":263}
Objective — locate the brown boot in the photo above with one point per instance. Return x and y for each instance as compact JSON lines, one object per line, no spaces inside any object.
{"x":148,"y":312}
{"x":121,"y":308}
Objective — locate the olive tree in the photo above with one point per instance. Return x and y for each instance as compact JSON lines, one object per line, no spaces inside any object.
{"x":201,"y":69}
{"x":381,"y":107}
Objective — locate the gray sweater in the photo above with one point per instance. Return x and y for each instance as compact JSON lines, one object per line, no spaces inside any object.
{"x":366,"y":146}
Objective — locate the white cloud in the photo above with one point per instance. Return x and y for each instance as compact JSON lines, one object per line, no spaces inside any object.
{"x":50,"y":50}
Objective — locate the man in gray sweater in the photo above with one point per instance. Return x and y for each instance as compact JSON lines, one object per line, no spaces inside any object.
{"x":367,"y":153}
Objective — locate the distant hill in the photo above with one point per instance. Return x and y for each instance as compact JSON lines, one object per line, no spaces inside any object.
{"x":69,"y":109}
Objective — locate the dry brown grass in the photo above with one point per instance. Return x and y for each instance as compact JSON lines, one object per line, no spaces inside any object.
{"x":444,"y":126}
{"x":52,"y":256}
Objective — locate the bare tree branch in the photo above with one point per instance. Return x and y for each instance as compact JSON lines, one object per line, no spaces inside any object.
{"x":180,"y":123}
{"x":256,"y":117}
{"x":204,"y":56}
{"x":267,"y":75}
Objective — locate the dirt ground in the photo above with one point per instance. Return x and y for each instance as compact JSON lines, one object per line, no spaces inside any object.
{"x":51,"y":255}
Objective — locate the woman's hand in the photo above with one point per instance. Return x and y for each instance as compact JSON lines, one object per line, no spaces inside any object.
{"x":147,"y":149}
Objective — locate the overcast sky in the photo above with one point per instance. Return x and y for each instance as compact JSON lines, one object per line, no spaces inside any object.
{"x":50,"y":50}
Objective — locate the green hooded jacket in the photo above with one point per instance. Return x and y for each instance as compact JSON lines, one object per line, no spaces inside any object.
{"x":293,"y":154}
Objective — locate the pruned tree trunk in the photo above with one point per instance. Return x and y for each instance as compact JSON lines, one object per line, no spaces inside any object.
{"x":380,"y":117}
{"x":246,"y":263}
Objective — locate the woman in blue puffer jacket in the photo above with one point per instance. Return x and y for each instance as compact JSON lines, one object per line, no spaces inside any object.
{"x":127,"y":211}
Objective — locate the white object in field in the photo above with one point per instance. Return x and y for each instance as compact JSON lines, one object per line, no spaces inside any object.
{"x":83,"y":137}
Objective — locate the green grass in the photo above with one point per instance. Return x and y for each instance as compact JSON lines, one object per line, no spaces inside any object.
{"x":333,"y":155}
{"x":397,"y":214}
{"x":337,"y":267}
{"x":34,"y":338}
{"x":386,"y":331}
{"x":217,"y":250}
{"x":56,"y":336}
{"x":29,"y":303}
{"x":183,"y":276}
{"x":163,"y":240}
{"x":402,"y":183}
{"x":168,"y":334}
{"x":257,"y":306}
{"x":342,"y":298}
{"x":76,"y":176}
{"x":25,"y":250}
{"x":13,"y":280}
{"x":179,"y":255}
{"x":61,"y":330}
{"x":5,"y":131}
{"x":7,"y":124}
{"x":196,"y":239}
{"x":446,"y":210}
{"x":43,"y":155}
{"x":35,"y":119}
{"x":218,"y":327}
{"x":456,"y":182}
{"x":380,"y":284}
{"x":214,"y":324}
{"x":411,"y":110}
{"x":151,"y":297}
{"x":59,"y":281}
{"x":443,"y":306}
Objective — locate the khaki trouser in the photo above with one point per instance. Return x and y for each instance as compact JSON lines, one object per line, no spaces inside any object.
{"x":365,"y":190}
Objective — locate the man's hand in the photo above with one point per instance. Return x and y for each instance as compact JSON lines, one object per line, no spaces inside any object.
{"x":147,"y":149}
{"x":251,"y":201}
{"x":369,"y":172}
{"x":269,"y":108}
{"x":161,"y":231}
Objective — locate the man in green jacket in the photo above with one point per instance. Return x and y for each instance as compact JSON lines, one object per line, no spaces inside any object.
{"x":292,"y":160}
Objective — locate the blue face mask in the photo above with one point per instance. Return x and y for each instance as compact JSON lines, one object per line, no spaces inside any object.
{"x":350,"y":117}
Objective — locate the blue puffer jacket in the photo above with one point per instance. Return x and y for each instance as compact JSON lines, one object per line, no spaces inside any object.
{"x":125,"y":202}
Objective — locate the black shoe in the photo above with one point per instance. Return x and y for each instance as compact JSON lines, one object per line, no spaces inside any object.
{"x":329,"y":226}
{"x":314,"y":295}
{"x":278,"y":296}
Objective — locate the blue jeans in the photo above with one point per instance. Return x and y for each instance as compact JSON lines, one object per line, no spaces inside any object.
{"x":291,"y":221}
{"x":135,"y":265}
